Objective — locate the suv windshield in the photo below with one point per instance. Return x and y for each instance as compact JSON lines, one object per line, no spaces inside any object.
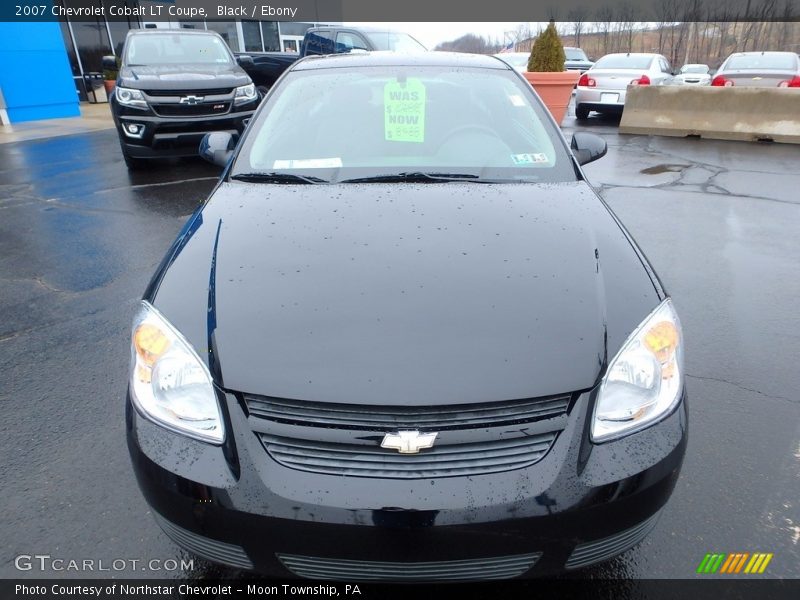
{"x":355,"y":123}
{"x":176,"y":48}
{"x":702,"y":69}
{"x":575,"y":54}
{"x":624,"y":61}
{"x":394,"y":41}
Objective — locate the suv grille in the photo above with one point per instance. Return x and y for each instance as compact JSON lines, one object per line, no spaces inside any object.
{"x":439,"y":418}
{"x":360,"y":460}
{"x":208,"y":92}
{"x":191,"y":110}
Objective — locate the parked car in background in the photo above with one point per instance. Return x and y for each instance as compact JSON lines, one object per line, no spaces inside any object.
{"x":517,"y":60}
{"x":759,"y":69}
{"x":404,"y":339}
{"x":577,"y":60}
{"x":264,"y":68}
{"x":603,"y":87}
{"x":174,"y":87}
{"x":693,"y":75}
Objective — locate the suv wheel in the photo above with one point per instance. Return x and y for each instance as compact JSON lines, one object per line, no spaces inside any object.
{"x":133,"y":163}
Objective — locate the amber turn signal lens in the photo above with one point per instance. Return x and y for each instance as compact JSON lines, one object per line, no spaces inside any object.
{"x":662,"y":340}
{"x":150,"y":343}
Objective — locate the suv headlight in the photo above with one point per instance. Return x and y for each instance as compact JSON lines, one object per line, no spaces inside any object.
{"x":644,"y":381}
{"x":245,"y":93}
{"x":169,"y":383}
{"x":129,"y":97}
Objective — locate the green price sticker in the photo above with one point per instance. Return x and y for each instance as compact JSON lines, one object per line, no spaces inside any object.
{"x":404,"y":111}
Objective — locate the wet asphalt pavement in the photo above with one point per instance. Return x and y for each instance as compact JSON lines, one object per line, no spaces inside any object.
{"x":80,"y":237}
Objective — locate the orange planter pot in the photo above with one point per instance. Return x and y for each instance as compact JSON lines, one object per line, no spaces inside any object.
{"x":555,"y":90}
{"x":109,"y":85}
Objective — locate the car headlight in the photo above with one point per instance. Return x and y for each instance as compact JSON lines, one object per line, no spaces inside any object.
{"x":644,"y":381}
{"x":129,"y":97}
{"x":245,"y":93}
{"x":169,"y":382}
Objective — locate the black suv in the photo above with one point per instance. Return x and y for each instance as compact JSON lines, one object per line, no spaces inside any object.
{"x":174,"y":87}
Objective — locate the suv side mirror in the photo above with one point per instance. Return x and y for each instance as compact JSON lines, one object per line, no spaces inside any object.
{"x":588,"y":147}
{"x":217,"y":147}
{"x":245,"y":61}
{"x":110,"y":63}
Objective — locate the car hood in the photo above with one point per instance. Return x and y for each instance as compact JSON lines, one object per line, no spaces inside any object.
{"x":183,"y":77}
{"x":405,"y":294}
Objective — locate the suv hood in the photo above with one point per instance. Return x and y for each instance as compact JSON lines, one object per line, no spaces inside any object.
{"x":182,"y":77}
{"x":405,"y":294}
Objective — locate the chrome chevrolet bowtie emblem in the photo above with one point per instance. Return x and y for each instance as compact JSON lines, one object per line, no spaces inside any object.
{"x":408,"y":442}
{"x":191,"y":99}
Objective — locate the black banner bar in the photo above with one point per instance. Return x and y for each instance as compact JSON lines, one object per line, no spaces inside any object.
{"x":644,"y":11}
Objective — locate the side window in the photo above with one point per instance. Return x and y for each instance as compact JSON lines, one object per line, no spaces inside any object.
{"x":349,"y":41}
{"x":665,"y":66}
{"x":319,"y":42}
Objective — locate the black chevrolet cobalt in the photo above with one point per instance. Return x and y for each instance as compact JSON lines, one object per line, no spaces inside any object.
{"x":405,"y":340}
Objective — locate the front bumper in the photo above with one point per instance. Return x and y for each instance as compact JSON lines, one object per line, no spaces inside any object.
{"x":601,"y":100}
{"x":173,"y":136}
{"x":582,"y":503}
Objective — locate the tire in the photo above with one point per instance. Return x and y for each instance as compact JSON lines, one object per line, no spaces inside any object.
{"x":581,"y":112}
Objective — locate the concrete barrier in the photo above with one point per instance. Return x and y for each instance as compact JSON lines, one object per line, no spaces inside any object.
{"x":721,"y":113}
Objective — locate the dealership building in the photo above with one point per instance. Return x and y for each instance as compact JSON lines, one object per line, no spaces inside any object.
{"x":48,"y":68}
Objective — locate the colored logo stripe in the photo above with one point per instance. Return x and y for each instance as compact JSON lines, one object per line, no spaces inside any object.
{"x":734,"y":562}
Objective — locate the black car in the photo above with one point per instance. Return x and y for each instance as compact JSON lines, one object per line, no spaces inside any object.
{"x":174,"y":87}
{"x":404,"y":339}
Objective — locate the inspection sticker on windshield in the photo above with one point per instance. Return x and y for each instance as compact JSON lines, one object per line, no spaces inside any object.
{"x":529,"y":159}
{"x":308,"y":163}
{"x":404,"y":111}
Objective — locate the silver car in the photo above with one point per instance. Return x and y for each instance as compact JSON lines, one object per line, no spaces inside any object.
{"x":693,"y":75}
{"x":759,"y":69}
{"x":603,"y":87}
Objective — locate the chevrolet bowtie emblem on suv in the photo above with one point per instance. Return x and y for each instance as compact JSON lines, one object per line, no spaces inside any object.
{"x":408,"y":442}
{"x":191,"y":99}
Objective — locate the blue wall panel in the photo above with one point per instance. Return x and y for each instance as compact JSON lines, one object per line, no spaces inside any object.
{"x":35,"y":75}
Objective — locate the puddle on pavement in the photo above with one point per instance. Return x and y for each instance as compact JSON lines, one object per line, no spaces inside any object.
{"x":666,"y":168}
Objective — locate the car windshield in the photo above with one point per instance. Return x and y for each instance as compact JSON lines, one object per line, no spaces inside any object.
{"x":449,"y":122}
{"x":515,"y":59}
{"x":176,"y":48}
{"x":753,"y":62}
{"x":694,"y":69}
{"x":575,"y":54}
{"x":394,"y":41}
{"x":624,"y":61}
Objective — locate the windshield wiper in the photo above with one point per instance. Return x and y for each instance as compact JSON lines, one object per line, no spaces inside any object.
{"x":276,"y":178}
{"x":418,"y":177}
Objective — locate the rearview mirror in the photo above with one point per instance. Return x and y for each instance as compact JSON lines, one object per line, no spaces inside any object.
{"x":587,"y":147}
{"x":217,"y":147}
{"x":109,"y":63}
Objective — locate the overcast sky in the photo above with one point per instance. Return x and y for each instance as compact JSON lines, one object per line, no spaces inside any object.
{"x":431,"y":34}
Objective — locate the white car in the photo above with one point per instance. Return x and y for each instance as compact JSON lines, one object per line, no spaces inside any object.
{"x":517,"y":60}
{"x":603,"y":87}
{"x":693,"y":75}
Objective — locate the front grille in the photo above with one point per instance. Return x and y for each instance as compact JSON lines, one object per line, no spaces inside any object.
{"x":438,"y":418}
{"x":214,"y":550}
{"x":600,"y":550}
{"x":208,"y":92}
{"x":191,"y":110}
{"x":476,"y":569}
{"x":360,"y":460}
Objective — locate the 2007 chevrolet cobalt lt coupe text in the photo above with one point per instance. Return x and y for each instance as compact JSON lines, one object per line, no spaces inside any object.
{"x":405,"y":340}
